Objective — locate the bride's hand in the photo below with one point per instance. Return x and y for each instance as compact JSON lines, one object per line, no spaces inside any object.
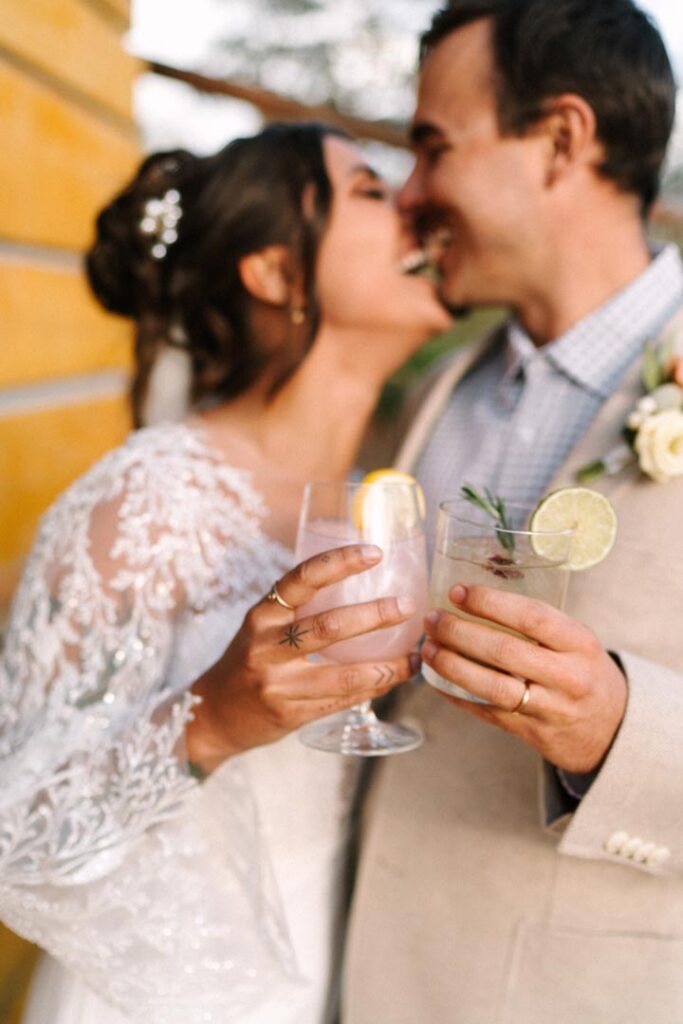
{"x":264,"y":687}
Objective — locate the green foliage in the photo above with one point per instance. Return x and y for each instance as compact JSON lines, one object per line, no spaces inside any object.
{"x":359,"y":57}
{"x":652,"y":371}
{"x":591,"y":472}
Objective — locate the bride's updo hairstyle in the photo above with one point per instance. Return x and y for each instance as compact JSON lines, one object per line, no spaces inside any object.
{"x":168,"y":248}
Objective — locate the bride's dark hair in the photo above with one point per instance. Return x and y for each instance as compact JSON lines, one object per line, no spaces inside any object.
{"x":271,"y":189}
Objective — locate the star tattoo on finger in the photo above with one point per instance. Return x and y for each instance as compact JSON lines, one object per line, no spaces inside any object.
{"x":293,"y":636}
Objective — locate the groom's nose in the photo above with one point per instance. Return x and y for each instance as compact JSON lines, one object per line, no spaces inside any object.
{"x":410,"y":197}
{"x":418,"y":215}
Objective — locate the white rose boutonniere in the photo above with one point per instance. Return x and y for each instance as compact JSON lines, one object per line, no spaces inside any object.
{"x":653,"y":432}
{"x":659,"y":445}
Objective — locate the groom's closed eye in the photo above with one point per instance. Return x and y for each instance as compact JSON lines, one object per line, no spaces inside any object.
{"x":428,"y":141}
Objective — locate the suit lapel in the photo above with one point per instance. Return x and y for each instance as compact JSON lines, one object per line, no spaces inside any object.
{"x":605,"y":432}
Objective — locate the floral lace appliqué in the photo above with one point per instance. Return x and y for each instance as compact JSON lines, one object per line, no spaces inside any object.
{"x":109,"y":854}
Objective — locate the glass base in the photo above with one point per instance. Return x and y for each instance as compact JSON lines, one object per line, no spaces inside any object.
{"x":360,"y":735}
{"x":446,"y":686}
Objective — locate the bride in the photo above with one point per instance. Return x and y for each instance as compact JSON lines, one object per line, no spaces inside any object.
{"x":163,"y":835}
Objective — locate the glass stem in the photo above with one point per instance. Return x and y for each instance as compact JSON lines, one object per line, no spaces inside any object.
{"x":362,"y":714}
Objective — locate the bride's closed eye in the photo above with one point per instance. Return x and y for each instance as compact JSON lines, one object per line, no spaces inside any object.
{"x":369,"y":185}
{"x":375,"y":192}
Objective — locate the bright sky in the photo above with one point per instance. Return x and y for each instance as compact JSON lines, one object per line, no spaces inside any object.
{"x":669,"y":16}
{"x":183,"y":30}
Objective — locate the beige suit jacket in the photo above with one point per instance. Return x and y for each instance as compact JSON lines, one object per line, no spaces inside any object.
{"x":478,"y":901}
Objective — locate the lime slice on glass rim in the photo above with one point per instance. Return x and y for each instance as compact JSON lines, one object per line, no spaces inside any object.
{"x":591,"y":516}
{"x":369,"y":508}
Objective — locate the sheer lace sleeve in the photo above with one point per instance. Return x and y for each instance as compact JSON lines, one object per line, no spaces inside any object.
{"x":111,"y":855}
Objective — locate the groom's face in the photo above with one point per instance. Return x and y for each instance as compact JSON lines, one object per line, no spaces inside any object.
{"x":485,"y":189}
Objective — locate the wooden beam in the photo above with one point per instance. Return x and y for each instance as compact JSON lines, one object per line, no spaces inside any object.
{"x":275,"y":107}
{"x":58,"y":163}
{"x":282,"y":108}
{"x":53,"y":327}
{"x":73,"y":45}
{"x":41,"y":452}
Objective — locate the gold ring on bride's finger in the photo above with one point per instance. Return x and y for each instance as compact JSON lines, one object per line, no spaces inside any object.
{"x":274,"y":595}
{"x":524,"y":700}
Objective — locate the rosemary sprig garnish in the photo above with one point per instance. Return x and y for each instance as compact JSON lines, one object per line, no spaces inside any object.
{"x":493,"y":506}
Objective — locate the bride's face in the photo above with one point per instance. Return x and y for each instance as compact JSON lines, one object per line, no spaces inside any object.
{"x":359,"y":279}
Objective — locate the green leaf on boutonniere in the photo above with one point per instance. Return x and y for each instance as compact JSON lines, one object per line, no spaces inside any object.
{"x":591,"y":472}
{"x":611,"y":463}
{"x":652,"y":372}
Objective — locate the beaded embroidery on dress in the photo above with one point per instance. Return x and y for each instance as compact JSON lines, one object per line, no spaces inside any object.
{"x":111,"y":856}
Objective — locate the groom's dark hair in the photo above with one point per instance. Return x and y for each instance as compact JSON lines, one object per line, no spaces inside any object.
{"x":608,"y":52}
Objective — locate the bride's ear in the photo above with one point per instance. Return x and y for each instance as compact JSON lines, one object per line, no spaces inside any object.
{"x":265,"y":275}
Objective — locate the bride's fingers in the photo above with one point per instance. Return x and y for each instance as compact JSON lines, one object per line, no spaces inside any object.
{"x":302,"y":583}
{"x":315,"y":632}
{"x":348,"y":683}
{"x":309,"y":710}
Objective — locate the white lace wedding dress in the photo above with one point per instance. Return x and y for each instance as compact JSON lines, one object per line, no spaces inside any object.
{"x":159,"y":899}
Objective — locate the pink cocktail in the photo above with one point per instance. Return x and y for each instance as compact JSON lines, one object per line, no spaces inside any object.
{"x":391,"y":516}
{"x":402,"y":572}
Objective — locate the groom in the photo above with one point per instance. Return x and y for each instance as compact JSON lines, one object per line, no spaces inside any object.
{"x":527,"y":867}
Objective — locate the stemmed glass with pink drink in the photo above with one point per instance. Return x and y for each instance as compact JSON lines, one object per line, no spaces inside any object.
{"x":389,"y":514}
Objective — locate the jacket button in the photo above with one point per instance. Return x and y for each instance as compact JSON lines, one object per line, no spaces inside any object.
{"x":631,"y":847}
{"x":645,"y":852}
{"x":616,"y":841}
{"x":659,"y":856}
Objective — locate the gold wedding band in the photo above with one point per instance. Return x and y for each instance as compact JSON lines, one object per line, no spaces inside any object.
{"x":273,"y":595}
{"x":517,"y":710}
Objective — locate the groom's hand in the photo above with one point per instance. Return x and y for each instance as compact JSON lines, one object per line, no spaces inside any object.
{"x":577,"y":694}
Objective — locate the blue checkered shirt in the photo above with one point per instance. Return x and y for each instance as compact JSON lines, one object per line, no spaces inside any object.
{"x":520,"y":410}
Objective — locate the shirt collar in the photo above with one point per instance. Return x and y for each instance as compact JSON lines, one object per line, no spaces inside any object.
{"x":520,"y":349}
{"x":596,"y":352}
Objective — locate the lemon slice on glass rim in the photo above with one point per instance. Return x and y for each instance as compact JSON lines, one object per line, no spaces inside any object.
{"x":370,"y":510}
{"x":590,"y":515}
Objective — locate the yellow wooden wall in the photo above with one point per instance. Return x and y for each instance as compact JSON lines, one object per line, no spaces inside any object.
{"x":67,"y":141}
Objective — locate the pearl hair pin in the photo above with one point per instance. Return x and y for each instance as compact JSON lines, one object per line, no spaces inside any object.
{"x":160,"y":221}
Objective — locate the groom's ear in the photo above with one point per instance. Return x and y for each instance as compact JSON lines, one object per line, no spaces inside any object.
{"x":570,"y":127}
{"x":265,"y":275}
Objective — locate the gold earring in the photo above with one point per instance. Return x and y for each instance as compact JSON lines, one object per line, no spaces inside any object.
{"x":297,"y":314}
